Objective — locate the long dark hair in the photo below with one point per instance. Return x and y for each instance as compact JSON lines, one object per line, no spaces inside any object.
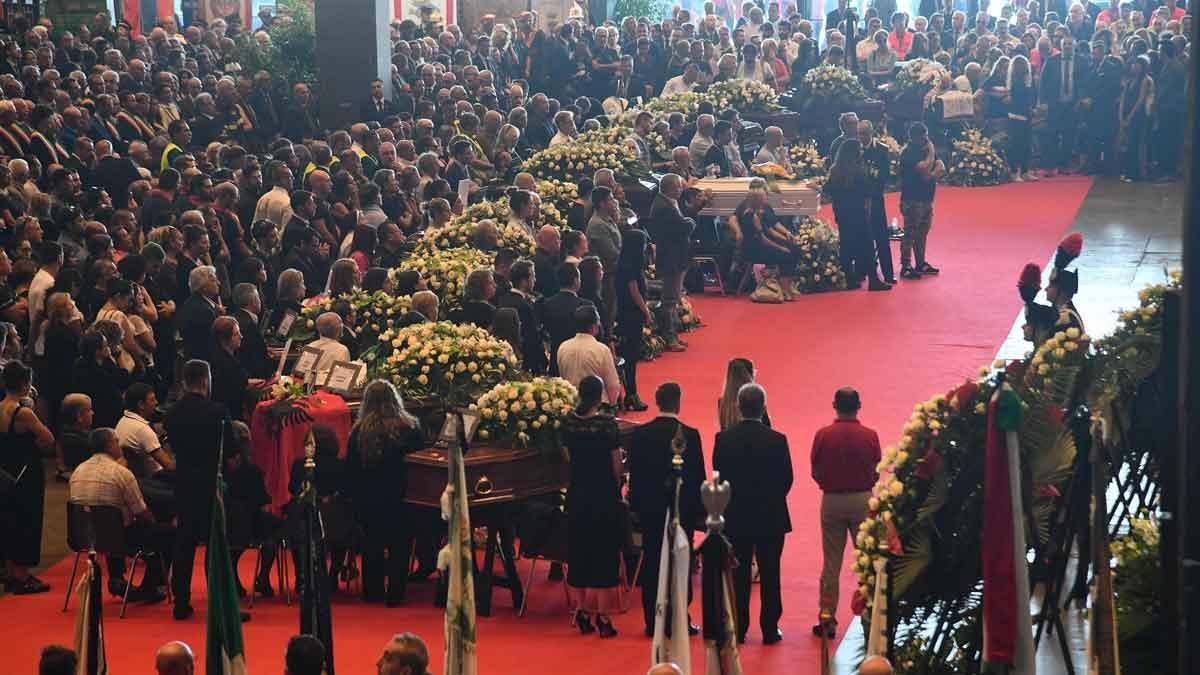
{"x":381,"y":421}
{"x":632,"y":260}
{"x":847,"y":166}
{"x":591,"y":392}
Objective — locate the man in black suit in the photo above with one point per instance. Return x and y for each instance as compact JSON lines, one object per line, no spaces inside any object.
{"x":533,"y":351}
{"x":756,"y":462}
{"x":651,"y":448}
{"x":477,"y":307}
{"x":253,"y":352}
{"x":1060,"y":87}
{"x":539,"y":129}
{"x":834,"y":18}
{"x":558,"y":311}
{"x":196,"y":427}
{"x":377,"y":107}
{"x":672,"y":234}
{"x":196,"y":316}
{"x":501,"y":271}
{"x":879,"y":164}
{"x":557,"y":59}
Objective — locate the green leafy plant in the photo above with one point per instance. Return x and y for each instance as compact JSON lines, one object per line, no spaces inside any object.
{"x":290,"y":56}
{"x":653,"y":9}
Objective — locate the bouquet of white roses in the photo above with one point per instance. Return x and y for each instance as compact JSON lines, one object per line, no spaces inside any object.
{"x":574,"y":161}
{"x":1065,"y":350}
{"x":831,"y":87}
{"x":525,"y":413}
{"x":454,"y":364}
{"x":918,"y":76}
{"x":446,"y":270}
{"x":561,"y":194}
{"x":975,"y":162}
{"x":616,"y":135}
{"x":662,"y":106}
{"x":746,"y":96}
{"x":819,"y":268}
{"x":373,"y":312}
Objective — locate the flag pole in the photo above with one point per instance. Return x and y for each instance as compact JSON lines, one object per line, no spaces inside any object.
{"x":315,"y":613}
{"x":720,"y":620}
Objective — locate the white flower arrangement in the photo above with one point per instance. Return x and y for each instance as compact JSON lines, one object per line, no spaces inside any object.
{"x":525,"y":413}
{"x":918,"y":76}
{"x":744,"y":95}
{"x":446,"y":270}
{"x":459,"y":232}
{"x":819,"y":269}
{"x":374,"y":313}
{"x":455,"y":364}
{"x":831,"y":86}
{"x":617,"y":135}
{"x":1068,"y":347}
{"x":975,"y":162}
{"x":561,"y":194}
{"x":576,"y":160}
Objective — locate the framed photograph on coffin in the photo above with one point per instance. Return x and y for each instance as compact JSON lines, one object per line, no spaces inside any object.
{"x":345,"y":377}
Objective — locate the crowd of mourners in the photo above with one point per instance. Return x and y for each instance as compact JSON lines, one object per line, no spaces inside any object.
{"x":164,"y":212}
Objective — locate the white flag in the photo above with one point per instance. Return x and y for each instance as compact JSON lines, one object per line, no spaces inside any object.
{"x":673,"y":580}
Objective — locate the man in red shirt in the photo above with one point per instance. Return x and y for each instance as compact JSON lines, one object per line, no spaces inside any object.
{"x":844,"y":457}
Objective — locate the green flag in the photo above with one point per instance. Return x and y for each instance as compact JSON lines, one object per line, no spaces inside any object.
{"x":226,"y":652}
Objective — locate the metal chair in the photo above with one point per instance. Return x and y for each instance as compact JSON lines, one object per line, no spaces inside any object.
{"x":100,"y":529}
{"x":703,"y":259}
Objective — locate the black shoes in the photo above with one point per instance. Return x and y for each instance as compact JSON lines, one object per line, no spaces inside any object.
{"x":773,"y":637}
{"x":828,"y":628}
{"x":693,"y":629}
{"x":909,"y":273}
{"x":929,"y":270}
{"x":263,"y":588}
{"x":584,"y":624}
{"x":30,"y":585}
{"x":182,"y":612}
{"x":635,"y":404}
{"x":604,"y":625}
{"x":877,"y":285}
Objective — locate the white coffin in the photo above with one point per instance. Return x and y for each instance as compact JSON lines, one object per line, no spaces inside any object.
{"x":787,"y":198}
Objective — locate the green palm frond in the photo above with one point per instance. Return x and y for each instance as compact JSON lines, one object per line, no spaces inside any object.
{"x":918,"y":555}
{"x":1043,"y":512}
{"x":939,"y":491}
{"x":1053,"y":464}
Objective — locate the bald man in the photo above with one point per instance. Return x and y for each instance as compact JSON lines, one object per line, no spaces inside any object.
{"x":665,"y":669}
{"x":174,"y":658}
{"x":329,"y":328}
{"x":546,"y":258}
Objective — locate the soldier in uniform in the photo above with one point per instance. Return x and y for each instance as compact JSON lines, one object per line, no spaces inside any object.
{"x":1043,"y":321}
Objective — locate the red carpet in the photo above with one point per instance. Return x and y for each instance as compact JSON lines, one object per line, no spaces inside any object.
{"x":897,"y":348}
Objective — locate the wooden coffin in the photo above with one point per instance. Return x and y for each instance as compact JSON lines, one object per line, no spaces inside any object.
{"x":494,"y":475}
{"x":787,"y":198}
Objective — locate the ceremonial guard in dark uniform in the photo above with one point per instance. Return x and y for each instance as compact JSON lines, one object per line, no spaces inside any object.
{"x":1043,"y":321}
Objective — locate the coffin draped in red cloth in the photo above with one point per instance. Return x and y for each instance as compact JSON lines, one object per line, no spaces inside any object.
{"x":277,"y":439}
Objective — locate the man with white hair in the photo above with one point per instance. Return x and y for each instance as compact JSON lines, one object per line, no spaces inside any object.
{"x":773,"y":151}
{"x":701,"y":142}
{"x":196,"y":316}
{"x":10,"y":143}
{"x":329,"y":328}
{"x":564,"y":121}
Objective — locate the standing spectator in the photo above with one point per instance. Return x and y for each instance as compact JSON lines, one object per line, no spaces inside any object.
{"x":844,"y":456}
{"x":848,"y":190}
{"x":920,"y":170}
{"x":672,"y":234}
{"x":520,"y":297}
{"x":604,"y":241}
{"x":98,"y":376}
{"x":632,"y":311}
{"x":384,"y":434}
{"x":1019,"y":103}
{"x":651,"y":448}
{"x":22,"y":507}
{"x":198,"y":312}
{"x":1134,"y":115}
{"x":198,"y":427}
{"x":594,"y":526}
{"x":758,"y":465}
{"x":879,"y":170}
{"x":584,"y":355}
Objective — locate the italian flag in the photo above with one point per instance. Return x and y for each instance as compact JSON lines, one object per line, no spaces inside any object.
{"x":226,"y":652}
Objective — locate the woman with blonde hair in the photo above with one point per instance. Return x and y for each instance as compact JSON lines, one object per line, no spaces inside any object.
{"x":739,"y":372}
{"x":771,"y":60}
{"x":375,"y":467}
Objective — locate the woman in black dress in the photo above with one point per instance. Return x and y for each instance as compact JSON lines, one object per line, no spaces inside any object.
{"x":22,"y":438}
{"x":594,"y":523}
{"x":632,"y":312}
{"x":761,"y":242}
{"x":377,"y":479}
{"x":847,"y":189}
{"x":98,"y":376}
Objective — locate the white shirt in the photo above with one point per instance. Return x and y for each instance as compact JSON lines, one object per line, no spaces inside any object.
{"x":139,"y":442}
{"x":697,"y":150}
{"x":583,"y":355}
{"x":676,"y":85}
{"x":275,"y":206}
{"x":42,"y":282}
{"x":331,"y":350}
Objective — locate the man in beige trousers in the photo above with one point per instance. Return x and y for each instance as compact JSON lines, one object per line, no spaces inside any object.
{"x":844,"y":457}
